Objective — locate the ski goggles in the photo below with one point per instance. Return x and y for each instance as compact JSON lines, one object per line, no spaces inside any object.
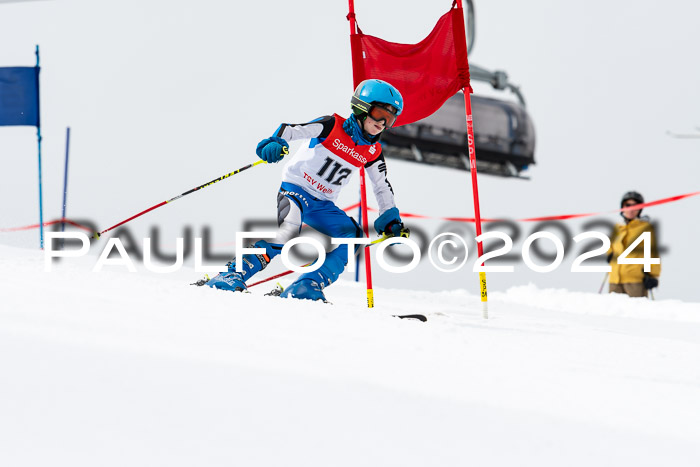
{"x":381,"y":114}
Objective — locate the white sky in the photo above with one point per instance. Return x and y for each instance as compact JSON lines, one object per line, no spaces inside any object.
{"x":162,"y":96}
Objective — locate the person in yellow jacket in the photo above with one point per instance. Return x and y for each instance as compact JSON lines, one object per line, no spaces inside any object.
{"x":631,"y":278}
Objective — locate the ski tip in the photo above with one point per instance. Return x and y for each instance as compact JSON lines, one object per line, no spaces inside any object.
{"x":421,"y":318}
{"x":201,"y":282}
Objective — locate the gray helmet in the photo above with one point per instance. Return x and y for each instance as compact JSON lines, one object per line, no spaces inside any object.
{"x":632,"y":195}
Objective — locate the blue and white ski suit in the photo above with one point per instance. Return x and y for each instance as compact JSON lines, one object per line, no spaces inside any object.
{"x":313,"y":178}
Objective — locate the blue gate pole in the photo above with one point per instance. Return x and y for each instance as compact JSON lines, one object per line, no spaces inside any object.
{"x":38,"y":139}
{"x":65,"y":186}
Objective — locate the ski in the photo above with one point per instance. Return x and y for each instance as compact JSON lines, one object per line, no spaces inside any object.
{"x":404,"y":233}
{"x":416,"y":317}
{"x":277,"y":291}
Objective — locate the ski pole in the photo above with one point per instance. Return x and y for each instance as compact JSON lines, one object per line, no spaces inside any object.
{"x":605,"y":279}
{"x":223,"y":177}
{"x":282,"y":274}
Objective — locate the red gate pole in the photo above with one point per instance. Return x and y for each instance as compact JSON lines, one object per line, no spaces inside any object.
{"x":475,"y":187}
{"x":363,"y":189}
{"x":365,"y":228}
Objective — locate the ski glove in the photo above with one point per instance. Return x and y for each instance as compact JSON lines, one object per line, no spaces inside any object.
{"x":272,"y":149}
{"x":650,"y":281}
{"x":389,"y":223}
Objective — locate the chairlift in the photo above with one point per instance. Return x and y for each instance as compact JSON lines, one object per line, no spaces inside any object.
{"x":504,"y":134}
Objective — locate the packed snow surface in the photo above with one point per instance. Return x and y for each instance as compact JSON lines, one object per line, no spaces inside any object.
{"x":141,"y":369}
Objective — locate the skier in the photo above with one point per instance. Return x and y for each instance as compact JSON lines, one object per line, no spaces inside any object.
{"x":631,"y":278}
{"x":312,"y":180}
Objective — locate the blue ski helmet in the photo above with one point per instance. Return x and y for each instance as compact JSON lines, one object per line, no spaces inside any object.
{"x":372,"y":91}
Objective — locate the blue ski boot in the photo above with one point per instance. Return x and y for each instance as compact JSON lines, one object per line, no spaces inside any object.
{"x":231,"y":280}
{"x":235,"y":281}
{"x":305,"y":289}
{"x":310,"y":286}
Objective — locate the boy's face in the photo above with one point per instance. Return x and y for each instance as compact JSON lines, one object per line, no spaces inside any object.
{"x":373,"y":127}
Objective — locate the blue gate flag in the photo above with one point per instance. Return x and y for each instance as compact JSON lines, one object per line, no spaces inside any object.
{"x":19,"y":96}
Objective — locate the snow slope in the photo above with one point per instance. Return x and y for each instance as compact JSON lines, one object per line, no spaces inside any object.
{"x":118,"y":368}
